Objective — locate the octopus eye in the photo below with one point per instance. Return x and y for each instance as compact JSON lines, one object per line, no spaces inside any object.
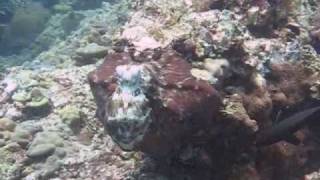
{"x":137,"y":92}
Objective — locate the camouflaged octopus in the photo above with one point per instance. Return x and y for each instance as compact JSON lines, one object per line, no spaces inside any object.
{"x":151,"y":102}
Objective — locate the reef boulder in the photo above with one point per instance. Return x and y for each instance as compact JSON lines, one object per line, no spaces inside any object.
{"x":152,"y":103}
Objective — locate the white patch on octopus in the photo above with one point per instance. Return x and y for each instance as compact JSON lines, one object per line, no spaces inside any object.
{"x":129,"y":105}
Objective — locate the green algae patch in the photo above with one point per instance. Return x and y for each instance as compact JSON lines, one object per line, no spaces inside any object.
{"x":71,"y":116}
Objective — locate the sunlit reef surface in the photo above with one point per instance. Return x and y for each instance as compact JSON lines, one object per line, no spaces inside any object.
{"x":159,"y":89}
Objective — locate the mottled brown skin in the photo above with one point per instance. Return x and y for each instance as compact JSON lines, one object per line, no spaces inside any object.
{"x":182,"y":106}
{"x":188,"y":105}
{"x":102,"y":80}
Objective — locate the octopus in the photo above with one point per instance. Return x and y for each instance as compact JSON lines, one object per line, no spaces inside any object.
{"x":152,"y":103}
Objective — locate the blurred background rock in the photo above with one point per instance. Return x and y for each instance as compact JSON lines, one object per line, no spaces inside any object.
{"x":29,"y":27}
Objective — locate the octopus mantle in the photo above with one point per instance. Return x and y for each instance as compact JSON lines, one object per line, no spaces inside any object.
{"x":153,"y":103}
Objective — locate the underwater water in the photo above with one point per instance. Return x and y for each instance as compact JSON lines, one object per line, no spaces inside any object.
{"x":159,"y":90}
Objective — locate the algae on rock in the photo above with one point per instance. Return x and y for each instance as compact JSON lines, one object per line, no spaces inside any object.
{"x":71,"y":116}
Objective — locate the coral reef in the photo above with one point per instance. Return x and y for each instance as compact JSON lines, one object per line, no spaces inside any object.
{"x":177,"y":90}
{"x":257,"y":73}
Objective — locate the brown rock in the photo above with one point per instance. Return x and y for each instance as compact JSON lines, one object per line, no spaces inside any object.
{"x":7,"y":124}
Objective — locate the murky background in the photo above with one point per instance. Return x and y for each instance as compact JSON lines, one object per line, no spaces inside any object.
{"x":159,"y":89}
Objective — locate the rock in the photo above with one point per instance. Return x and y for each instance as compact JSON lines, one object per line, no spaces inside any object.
{"x":140,"y":38}
{"x":72,"y":117}
{"x":22,"y":137}
{"x":43,"y":102}
{"x":21,"y":96}
{"x":21,"y":134}
{"x":38,"y":106}
{"x":9,"y":86}
{"x":153,"y":106}
{"x":126,"y":155}
{"x":47,"y":137}
{"x":30,"y":127}
{"x":42,"y":150}
{"x":7,"y":164}
{"x":62,"y":8}
{"x":235,"y":113}
{"x":7,"y":124}
{"x":52,"y":165}
{"x":92,"y":50}
{"x":2,"y":142}
{"x":253,"y":15}
{"x":86,"y":5}
{"x":71,"y":21}
{"x":2,"y":112}
{"x":26,"y":171}
{"x":217,"y":67}
{"x":6,"y":135}
{"x":88,"y":54}
{"x":23,"y":143}
{"x":12,"y":147}
{"x":85,"y":136}
{"x":14,"y":114}
{"x":292,"y":81}
{"x":26,"y":161}
{"x":203,"y":75}
{"x":201,"y":6}
{"x":50,"y":170}
{"x":60,"y":152}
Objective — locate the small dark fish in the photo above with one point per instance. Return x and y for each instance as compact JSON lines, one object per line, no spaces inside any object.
{"x":284,"y":129}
